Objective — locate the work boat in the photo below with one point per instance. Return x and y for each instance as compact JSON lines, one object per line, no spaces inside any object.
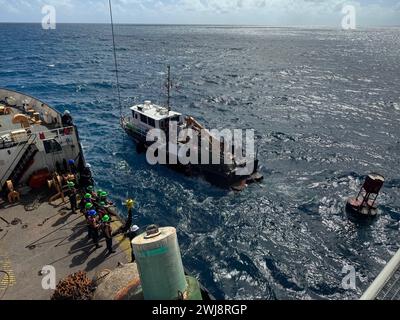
{"x":235,"y":174}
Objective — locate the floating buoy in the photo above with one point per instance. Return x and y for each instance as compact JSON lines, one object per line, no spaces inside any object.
{"x":365,"y":203}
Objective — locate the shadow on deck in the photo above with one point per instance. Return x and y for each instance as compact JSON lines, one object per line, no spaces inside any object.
{"x":35,"y":234}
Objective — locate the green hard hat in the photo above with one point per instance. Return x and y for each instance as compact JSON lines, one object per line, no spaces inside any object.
{"x":90,"y":188}
{"x":88,"y":206}
{"x":106,"y":218}
{"x":102,"y":204}
{"x":103,"y":194}
{"x":70,"y":184}
{"x":88,"y":196}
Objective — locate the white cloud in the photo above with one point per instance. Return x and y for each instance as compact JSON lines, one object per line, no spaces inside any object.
{"x":267,"y":12}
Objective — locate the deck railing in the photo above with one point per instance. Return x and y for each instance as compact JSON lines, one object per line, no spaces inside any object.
{"x":383,"y":279}
{"x":47,"y":134}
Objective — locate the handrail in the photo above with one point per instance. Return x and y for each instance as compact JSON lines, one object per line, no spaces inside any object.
{"x":380,"y":282}
{"x":18,"y":157}
{"x":35,"y":133}
{"x":47,"y":131}
{"x":58,"y":129}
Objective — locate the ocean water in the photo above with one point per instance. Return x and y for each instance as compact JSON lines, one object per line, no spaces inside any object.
{"x":325,"y":105}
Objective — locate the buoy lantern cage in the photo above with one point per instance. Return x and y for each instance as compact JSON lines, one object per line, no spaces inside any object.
{"x":365,"y":202}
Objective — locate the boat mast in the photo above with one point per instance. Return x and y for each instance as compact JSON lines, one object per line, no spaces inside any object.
{"x":169,"y":85}
{"x":115,"y":58}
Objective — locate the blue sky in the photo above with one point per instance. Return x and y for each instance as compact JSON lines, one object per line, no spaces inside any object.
{"x":248,"y":12}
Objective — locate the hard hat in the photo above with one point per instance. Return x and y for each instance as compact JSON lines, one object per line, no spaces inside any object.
{"x":90,"y":188}
{"x":92,"y":213}
{"x":88,"y":165}
{"x":66,"y":112}
{"x":103,"y":194}
{"x":102,"y":204}
{"x":134,"y":228}
{"x":70,"y":162}
{"x":70,"y":184}
{"x":106,"y":218}
{"x":130,"y":203}
{"x":88,"y":206}
{"x":88,"y":196}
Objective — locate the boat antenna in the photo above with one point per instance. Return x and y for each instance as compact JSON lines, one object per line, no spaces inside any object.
{"x":115,"y":59}
{"x":169,"y":87}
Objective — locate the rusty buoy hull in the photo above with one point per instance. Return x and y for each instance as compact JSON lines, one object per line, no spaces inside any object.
{"x":362,"y":208}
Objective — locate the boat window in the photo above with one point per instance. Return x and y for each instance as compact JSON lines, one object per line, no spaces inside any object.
{"x":52,"y":146}
{"x":151,"y":122}
{"x":175,"y":119}
{"x":143,"y":118}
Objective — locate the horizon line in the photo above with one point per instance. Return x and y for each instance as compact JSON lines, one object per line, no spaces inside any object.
{"x":208,"y":25}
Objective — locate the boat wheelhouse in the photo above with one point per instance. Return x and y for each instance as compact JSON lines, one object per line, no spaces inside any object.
{"x":148,"y":116}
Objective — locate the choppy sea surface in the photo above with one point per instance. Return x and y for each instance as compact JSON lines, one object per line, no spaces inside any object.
{"x":325,"y":105}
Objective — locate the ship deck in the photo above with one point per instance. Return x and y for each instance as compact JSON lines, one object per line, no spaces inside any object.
{"x":391,"y":291}
{"x":6,"y":121}
{"x":34,"y":234}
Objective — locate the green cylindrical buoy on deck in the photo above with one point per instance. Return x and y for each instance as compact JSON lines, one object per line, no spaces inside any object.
{"x":193,"y":291}
{"x":160,"y":264}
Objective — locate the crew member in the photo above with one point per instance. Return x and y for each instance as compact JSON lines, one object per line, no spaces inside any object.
{"x":72,"y":194}
{"x":103,"y":198}
{"x":72,"y":167}
{"x":94,"y":225}
{"x":90,"y":189}
{"x":88,"y":207}
{"x":86,"y":178}
{"x":107,"y":231}
{"x":132,"y":234}
{"x":131,"y":230}
{"x":66,"y":119}
{"x":128,"y":223}
{"x":86,"y":211}
{"x":102,"y":210}
{"x":130,"y":204}
{"x":87,"y":198}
